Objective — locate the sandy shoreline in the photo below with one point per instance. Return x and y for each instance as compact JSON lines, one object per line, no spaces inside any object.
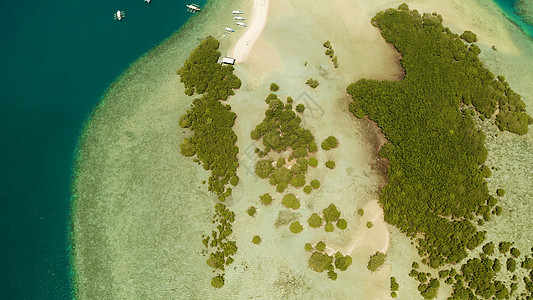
{"x":246,"y":42}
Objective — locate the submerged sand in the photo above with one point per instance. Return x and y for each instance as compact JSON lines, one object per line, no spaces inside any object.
{"x":140,"y":208}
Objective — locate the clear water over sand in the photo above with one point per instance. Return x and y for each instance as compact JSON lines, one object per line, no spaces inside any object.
{"x":141,"y":208}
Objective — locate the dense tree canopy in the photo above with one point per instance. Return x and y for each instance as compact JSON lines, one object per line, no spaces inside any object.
{"x":202,"y":74}
{"x":435,"y":186}
{"x":211,"y":122}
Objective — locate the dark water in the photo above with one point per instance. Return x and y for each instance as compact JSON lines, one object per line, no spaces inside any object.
{"x":508,"y":8}
{"x":56,"y":59}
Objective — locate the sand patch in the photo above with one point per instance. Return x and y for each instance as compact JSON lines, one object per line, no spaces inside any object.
{"x":247,"y":41}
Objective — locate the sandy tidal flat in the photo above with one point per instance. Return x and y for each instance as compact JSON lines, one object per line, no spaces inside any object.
{"x":140,"y":206}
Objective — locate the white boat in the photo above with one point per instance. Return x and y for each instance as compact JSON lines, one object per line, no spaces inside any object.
{"x":236,"y":12}
{"x":193,"y":8}
{"x":229,"y":29}
{"x":148,"y":1}
{"x":119,"y":15}
{"x":241,"y":24}
{"x":238,"y":18}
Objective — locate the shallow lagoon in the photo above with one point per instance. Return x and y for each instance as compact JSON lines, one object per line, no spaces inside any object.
{"x":141,"y":206}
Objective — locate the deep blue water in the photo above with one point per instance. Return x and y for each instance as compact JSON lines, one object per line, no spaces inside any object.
{"x":56,"y":59}
{"x":507,"y":6}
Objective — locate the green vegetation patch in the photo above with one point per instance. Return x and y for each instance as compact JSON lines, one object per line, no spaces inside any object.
{"x":394,"y":285}
{"x":376,"y":260}
{"x":478,"y":278}
{"x":308,"y":189}
{"x":217,"y":281}
{"x":313,"y":83}
{"x":218,"y":245}
{"x":320,"y":262}
{"x":280,"y":131}
{"x":202,"y":74}
{"x":213,"y":140}
{"x":331,"y":53}
{"x":256,"y":240}
{"x":469,"y":36}
{"x":290,"y":201}
{"x":274,"y":87}
{"x":342,"y":224}
{"x":313,"y":162}
{"x":315,"y":221}
{"x":330,"y":164}
{"x":320,"y":246}
{"x":342,"y":262}
{"x":331,"y":213}
{"x":435,"y":183}
{"x":251,"y":211}
{"x":330,"y":143}
{"x":296,"y":227}
{"x":329,"y":227}
{"x":266,"y":199}
{"x":315,"y":183}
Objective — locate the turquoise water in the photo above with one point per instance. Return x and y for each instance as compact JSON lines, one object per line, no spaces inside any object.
{"x":507,"y":6}
{"x":57,"y":58}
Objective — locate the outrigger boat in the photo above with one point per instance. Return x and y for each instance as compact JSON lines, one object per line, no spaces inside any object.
{"x":239,"y":18}
{"x":229,"y":29}
{"x":236,"y":12}
{"x":192,"y":8}
{"x":241,"y":24}
{"x":119,"y":15}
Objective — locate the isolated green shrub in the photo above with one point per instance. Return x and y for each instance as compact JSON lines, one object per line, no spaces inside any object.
{"x":342,"y":224}
{"x":308,"y":189}
{"x":315,"y":221}
{"x":315,"y":183}
{"x":330,"y":143}
{"x":313,"y":83}
{"x":296,"y":227}
{"x":376,"y":260}
{"x":290,"y":201}
{"x":251,"y":211}
{"x":256,"y":240}
{"x":217,"y":281}
{"x":266,"y":199}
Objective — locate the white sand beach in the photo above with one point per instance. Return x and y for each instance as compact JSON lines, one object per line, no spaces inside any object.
{"x":247,"y":41}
